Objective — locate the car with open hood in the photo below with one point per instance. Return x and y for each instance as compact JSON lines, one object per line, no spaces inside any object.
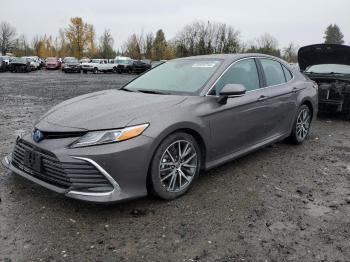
{"x":329,"y":66}
{"x":159,"y":131}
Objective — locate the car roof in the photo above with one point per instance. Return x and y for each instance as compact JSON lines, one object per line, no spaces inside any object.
{"x":231,"y":57}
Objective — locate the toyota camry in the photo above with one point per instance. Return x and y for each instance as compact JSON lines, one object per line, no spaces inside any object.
{"x":159,"y":131}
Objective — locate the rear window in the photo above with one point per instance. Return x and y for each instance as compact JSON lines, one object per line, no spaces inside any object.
{"x":287,"y":73}
{"x":273,"y":72}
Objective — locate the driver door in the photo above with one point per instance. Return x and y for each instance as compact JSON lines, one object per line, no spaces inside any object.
{"x":239,"y":124}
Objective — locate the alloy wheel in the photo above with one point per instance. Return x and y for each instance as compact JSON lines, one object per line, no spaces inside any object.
{"x":178,"y":166}
{"x":303,"y":124}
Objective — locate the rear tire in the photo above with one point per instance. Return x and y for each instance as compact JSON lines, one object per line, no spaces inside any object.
{"x":95,"y":70}
{"x":175,"y":166}
{"x":301,"y":126}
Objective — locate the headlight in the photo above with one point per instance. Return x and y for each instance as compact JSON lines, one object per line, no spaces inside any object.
{"x":109,"y":136}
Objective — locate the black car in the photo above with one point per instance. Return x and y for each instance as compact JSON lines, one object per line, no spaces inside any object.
{"x":3,"y":65}
{"x":140,"y":66}
{"x":20,"y":64}
{"x":329,"y":66}
{"x":71,"y":65}
{"x":124,"y":66}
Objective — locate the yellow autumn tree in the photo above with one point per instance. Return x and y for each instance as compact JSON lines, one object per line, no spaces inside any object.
{"x":91,"y":48}
{"x":81,"y":37}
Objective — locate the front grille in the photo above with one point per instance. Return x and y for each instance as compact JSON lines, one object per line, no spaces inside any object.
{"x":56,"y":135}
{"x":80,"y":176}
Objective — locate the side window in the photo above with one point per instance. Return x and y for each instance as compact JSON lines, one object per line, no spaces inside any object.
{"x":287,"y":73}
{"x":243,"y":72}
{"x":273,"y":72}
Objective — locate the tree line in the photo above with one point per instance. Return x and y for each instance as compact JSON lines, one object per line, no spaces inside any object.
{"x":79,"y":39}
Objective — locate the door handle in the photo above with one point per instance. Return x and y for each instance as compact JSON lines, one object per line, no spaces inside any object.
{"x":295,"y":89}
{"x":262,"y":98}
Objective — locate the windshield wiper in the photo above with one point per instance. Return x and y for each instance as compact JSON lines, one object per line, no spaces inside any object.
{"x":127,"y":89}
{"x":153,"y":92}
{"x":334,"y":73}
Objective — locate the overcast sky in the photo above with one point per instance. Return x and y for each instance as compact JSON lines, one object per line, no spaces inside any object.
{"x":302,"y":22}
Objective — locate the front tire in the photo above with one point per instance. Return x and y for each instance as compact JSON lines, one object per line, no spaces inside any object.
{"x":175,"y":166}
{"x":301,"y":126}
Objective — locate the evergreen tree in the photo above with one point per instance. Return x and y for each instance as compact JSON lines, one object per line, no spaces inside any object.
{"x":333,"y":35}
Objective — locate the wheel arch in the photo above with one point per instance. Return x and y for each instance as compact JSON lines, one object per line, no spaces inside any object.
{"x":191,"y":130}
{"x":309,"y":104}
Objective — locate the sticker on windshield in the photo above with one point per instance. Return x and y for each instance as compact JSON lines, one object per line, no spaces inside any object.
{"x":205,"y":65}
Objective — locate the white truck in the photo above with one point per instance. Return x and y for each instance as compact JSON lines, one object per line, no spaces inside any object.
{"x":99,"y":65}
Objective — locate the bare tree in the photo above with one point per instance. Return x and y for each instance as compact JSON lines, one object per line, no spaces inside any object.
{"x":149,"y":46}
{"x":290,"y":53}
{"x":265,"y":44}
{"x":201,"y":38}
{"x":7,"y":37}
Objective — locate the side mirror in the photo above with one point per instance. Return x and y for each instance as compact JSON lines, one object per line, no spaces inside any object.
{"x":230,"y":90}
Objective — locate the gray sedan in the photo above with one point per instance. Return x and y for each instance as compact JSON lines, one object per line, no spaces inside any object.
{"x":158,"y":132}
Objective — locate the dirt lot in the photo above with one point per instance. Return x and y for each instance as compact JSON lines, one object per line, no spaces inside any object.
{"x":282,"y":203}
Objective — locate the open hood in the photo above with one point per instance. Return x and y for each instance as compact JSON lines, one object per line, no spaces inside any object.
{"x":323,"y":54}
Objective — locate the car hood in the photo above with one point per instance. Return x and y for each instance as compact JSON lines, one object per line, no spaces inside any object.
{"x":104,"y":110}
{"x":18,"y":63}
{"x":323,"y":54}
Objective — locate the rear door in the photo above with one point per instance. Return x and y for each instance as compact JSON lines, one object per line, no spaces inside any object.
{"x":280,"y":97}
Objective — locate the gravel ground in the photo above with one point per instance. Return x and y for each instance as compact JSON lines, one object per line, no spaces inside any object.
{"x":281,"y":203}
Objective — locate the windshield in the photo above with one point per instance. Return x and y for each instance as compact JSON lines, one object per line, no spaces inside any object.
{"x":329,"y":69}
{"x":185,"y":76}
{"x":19,"y":60}
{"x":51,"y":59}
{"x":123,"y":62}
{"x":71,"y":60}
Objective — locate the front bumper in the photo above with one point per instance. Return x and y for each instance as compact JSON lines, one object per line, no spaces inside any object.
{"x":71,"y":69}
{"x":90,"y":69}
{"x":124,"y":165}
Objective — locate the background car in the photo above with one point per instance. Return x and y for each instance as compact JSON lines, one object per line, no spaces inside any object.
{"x":71,"y":64}
{"x":160,"y":130}
{"x":123,"y":64}
{"x":84,"y":60}
{"x":98,"y":65}
{"x":20,"y":64}
{"x":3,"y":65}
{"x":6,"y":59}
{"x":34,"y":62}
{"x":52,"y":63}
{"x":329,"y":66}
{"x":140,"y":66}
